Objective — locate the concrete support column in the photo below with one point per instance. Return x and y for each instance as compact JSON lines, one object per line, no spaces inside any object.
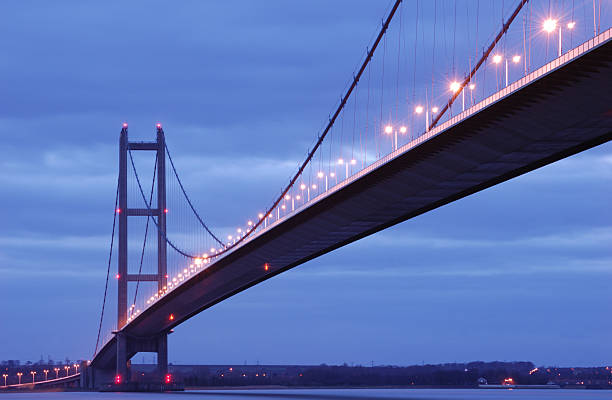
{"x":122,"y":366}
{"x":162,"y":356}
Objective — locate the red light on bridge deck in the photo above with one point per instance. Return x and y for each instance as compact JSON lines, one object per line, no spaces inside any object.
{"x":118,"y":210}
{"x":168,"y":378}
{"x":171,"y":317}
{"x":117,"y":276}
{"x":165,"y":210}
{"x":117,"y":379}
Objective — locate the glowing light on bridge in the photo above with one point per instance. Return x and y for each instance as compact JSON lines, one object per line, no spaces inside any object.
{"x":418,"y":109}
{"x":388,"y":129}
{"x":549,"y":25}
{"x":158,"y":125}
{"x":435,"y":109}
{"x":472,"y":87}
{"x":455,"y":86}
{"x":171,"y":317}
{"x":571,"y":25}
{"x":516,"y":59}
{"x":403,"y":130}
{"x":497,"y":58}
{"x":266,"y":267}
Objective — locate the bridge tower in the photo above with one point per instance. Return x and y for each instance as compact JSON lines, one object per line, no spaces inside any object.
{"x":128,"y":346}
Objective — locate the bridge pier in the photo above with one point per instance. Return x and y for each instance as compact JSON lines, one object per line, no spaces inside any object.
{"x":128,"y":346}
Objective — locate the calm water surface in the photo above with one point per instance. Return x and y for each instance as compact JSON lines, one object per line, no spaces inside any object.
{"x":332,"y":394}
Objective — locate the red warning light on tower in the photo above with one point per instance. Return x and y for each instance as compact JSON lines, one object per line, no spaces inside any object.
{"x":158,"y":125}
{"x":117,"y":379}
{"x":168,"y":379}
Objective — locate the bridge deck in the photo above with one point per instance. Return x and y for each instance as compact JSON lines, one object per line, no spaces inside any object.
{"x":559,"y":110}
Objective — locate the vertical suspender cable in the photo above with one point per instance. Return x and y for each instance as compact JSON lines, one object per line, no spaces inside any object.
{"x":110,"y":258}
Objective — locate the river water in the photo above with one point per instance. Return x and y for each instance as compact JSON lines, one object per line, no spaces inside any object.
{"x":331,"y":394}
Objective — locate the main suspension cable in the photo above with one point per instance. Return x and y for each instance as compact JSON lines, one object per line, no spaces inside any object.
{"x":189,"y":200}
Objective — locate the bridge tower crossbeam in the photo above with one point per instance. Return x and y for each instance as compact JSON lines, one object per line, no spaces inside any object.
{"x":127,"y":345}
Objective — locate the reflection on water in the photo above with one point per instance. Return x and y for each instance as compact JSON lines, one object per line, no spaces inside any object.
{"x":332,"y":394}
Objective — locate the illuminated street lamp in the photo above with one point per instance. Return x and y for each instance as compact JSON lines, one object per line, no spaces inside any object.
{"x":56,"y":372}
{"x":321,"y":175}
{"x":19,"y":374}
{"x":33,"y":375}
{"x":46,"y":371}
{"x":67,"y":368}
{"x":472,"y":86}
{"x":5,"y":376}
{"x":515,"y":59}
{"x":76,"y":366}
{"x":550,"y":25}
{"x":455,"y":87}
{"x":419,"y":110}
{"x":389,"y":130}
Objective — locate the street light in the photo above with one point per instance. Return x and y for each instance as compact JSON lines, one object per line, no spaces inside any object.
{"x":419,"y":110}
{"x":389,"y":130}
{"x":497,"y":58}
{"x":67,"y":368}
{"x":550,"y":25}
{"x":56,"y":372}
{"x":46,"y":371}
{"x":19,"y":376}
{"x":76,"y":366}
{"x":33,"y":375}
{"x":472,"y":87}
{"x":515,"y":59}
{"x":455,"y":87}
{"x":5,"y":376}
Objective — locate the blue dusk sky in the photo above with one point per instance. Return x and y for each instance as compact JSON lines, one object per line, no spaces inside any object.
{"x":521,"y":271}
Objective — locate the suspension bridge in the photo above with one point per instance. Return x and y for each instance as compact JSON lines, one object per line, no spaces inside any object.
{"x":527,"y":98}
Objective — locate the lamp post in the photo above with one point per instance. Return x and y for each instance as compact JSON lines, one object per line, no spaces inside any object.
{"x":67,"y":368}
{"x":419,"y":110}
{"x":472,"y":87}
{"x":19,"y":374}
{"x":389,"y":130}
{"x":454,"y":87}
{"x":33,"y":375}
{"x":46,"y":372}
{"x":320,"y":175}
{"x":5,"y":376}
{"x":76,"y":368}
{"x":56,"y":372}
{"x":550,"y":25}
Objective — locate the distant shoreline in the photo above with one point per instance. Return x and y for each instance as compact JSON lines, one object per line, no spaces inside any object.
{"x":280,"y":387}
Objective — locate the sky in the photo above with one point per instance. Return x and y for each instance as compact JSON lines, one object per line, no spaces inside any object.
{"x":520,"y":271}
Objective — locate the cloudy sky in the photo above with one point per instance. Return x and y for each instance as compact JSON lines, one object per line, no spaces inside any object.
{"x":521,"y":271}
